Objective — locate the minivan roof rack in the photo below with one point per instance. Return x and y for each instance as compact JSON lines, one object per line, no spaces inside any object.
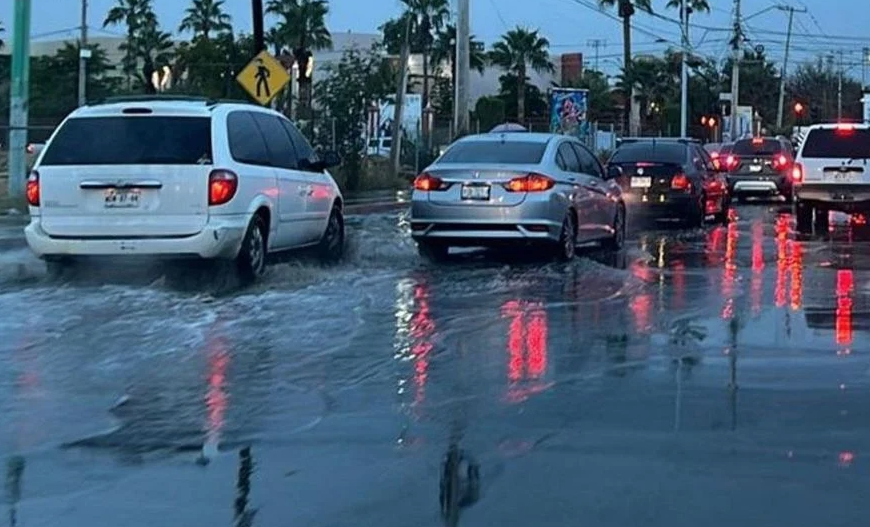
{"x":210,"y":101}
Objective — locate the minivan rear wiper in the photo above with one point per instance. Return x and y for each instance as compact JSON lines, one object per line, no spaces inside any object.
{"x":853,"y":159}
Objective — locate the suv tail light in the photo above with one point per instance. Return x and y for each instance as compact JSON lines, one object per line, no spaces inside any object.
{"x":780,"y":162}
{"x":797,"y":173}
{"x":427,"y":182}
{"x":530,"y":183}
{"x":32,"y":189}
{"x":222,"y":187}
{"x":681,"y":182}
{"x":731,"y":162}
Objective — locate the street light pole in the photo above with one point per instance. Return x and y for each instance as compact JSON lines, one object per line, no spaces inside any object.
{"x":463,"y":67}
{"x":18,"y":99}
{"x":257,"y":19}
{"x":735,"y":71}
{"x":779,"y":112}
{"x":84,"y":55}
{"x":684,"y":89}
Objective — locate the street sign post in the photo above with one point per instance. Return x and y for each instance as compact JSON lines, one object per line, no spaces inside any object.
{"x":263,"y":78}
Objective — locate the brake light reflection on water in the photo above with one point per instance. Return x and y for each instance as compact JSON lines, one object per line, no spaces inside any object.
{"x":527,"y":350}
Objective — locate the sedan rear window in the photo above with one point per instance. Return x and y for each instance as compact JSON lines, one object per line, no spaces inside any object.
{"x":650,"y":152}
{"x":844,"y":143}
{"x":501,"y":152}
{"x":140,"y":140}
{"x":765,"y":147}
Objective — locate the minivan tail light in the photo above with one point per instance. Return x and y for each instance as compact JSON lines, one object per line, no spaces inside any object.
{"x":530,"y":183}
{"x":797,"y":173}
{"x":32,"y":189}
{"x":427,"y":182}
{"x":222,"y":186}
{"x":681,"y":182}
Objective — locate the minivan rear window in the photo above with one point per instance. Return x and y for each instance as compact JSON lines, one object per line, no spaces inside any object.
{"x":765,"y":147}
{"x":837,"y":144}
{"x":650,"y":152}
{"x":127,"y":140}
{"x":501,"y":152}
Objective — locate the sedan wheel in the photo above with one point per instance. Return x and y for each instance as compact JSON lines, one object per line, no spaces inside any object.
{"x":566,"y":249}
{"x":618,"y":240}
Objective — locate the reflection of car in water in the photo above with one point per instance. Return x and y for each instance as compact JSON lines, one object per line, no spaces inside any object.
{"x":837,"y":301}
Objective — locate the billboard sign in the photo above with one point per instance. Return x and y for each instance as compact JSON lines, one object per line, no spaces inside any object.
{"x":568,"y":110}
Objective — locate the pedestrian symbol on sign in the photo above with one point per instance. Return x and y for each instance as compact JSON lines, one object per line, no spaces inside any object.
{"x":263,"y":78}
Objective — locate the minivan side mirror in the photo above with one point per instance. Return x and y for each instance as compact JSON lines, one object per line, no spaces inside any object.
{"x":327,"y":160}
{"x":613,"y":172}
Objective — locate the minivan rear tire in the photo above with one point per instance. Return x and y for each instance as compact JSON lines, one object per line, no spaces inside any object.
{"x":251,"y":260}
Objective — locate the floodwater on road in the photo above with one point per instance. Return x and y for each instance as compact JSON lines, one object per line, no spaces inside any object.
{"x":699,"y":377}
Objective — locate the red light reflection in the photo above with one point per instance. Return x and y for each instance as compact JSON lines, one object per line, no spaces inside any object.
{"x":757,"y":286}
{"x":846,"y":458}
{"x":679,"y":283}
{"x":797,"y":276}
{"x":782,"y":224}
{"x":216,"y":399}
{"x":422,"y":328}
{"x":845,"y":284}
{"x":730,"y":273}
{"x":526,"y":346}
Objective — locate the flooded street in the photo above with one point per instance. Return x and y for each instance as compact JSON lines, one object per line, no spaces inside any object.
{"x":701,"y":377}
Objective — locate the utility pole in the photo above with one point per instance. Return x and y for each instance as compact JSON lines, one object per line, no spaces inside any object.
{"x":84,"y":55}
{"x":398,"y":111}
{"x":737,"y":45}
{"x":463,"y":68}
{"x":779,"y":110}
{"x":19,"y":97}
{"x":684,"y":81}
{"x":840,"y":87}
{"x":865,"y":56}
{"x":596,"y":44}
{"x":257,"y":19}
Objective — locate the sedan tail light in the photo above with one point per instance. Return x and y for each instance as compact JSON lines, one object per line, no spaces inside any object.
{"x":681,"y":182}
{"x":222,"y":186}
{"x":530,"y":183}
{"x":32,"y":189}
{"x":731,"y":162}
{"x":797,"y":173}
{"x":427,"y":182}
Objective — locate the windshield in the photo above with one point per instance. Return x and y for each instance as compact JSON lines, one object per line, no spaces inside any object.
{"x":837,"y":144}
{"x":651,"y":152}
{"x":139,"y":140}
{"x":504,"y":153}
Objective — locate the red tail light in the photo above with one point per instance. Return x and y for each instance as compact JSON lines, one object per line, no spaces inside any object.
{"x":530,"y":183}
{"x":32,"y":190}
{"x":222,"y":187}
{"x":427,"y":182}
{"x":731,"y":162}
{"x":681,"y":182}
{"x":797,"y":173}
{"x":780,"y":162}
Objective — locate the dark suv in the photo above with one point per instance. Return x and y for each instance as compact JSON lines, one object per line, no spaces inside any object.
{"x":760,"y":166}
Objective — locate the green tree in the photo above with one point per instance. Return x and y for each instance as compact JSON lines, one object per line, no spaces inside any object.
{"x":534,"y":101}
{"x":345,"y":93}
{"x":204,"y":17}
{"x":517,"y":51}
{"x":132,"y":14}
{"x":654,"y":81}
{"x":444,"y":51}
{"x":759,"y":84}
{"x":2,"y":30}
{"x":154,"y":48}
{"x":816,"y":85}
{"x":489,"y":112}
{"x":54,"y":80}
{"x":302,"y":28}
{"x":698,"y":6}
{"x":627,"y":9}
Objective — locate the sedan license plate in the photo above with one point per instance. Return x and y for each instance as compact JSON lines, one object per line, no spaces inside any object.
{"x":641,"y":182}
{"x":121,"y":199}
{"x":476,"y":192}
{"x":755,"y":168}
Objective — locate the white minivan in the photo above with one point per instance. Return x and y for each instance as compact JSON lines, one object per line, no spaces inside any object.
{"x":181,"y":178}
{"x":831,"y":173}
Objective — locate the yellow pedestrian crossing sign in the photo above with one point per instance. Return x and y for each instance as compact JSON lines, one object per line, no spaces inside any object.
{"x":264,"y":77}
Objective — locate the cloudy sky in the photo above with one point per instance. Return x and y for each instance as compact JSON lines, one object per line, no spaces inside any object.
{"x":828,"y":26}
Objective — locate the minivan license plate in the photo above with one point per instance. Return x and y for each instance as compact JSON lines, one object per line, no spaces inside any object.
{"x":121,"y":199}
{"x":477,"y":192}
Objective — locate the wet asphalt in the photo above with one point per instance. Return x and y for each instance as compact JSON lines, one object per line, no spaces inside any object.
{"x":703,"y":377}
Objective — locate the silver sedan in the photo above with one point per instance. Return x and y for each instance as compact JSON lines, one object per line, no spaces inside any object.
{"x":517,"y":188}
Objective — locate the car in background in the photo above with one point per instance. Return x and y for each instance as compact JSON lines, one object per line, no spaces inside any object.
{"x":511,"y":189}
{"x":760,"y":167}
{"x":379,"y":146}
{"x":831,"y":173}
{"x":181,"y":179}
{"x":671,"y":178}
{"x":718,"y":151}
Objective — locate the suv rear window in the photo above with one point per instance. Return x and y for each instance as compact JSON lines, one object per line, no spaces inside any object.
{"x":140,"y":140}
{"x":837,"y":144}
{"x":651,"y":152}
{"x":502,"y":152}
{"x":767,"y":147}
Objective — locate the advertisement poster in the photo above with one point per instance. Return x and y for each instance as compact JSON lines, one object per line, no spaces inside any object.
{"x":412,"y":113}
{"x":568,"y":108}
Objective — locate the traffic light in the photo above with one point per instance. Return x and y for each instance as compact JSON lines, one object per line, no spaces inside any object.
{"x":799,"y":109}
{"x":711,"y":122}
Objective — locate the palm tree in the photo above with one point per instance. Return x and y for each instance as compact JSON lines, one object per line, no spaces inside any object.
{"x":626,"y":10}
{"x":131,"y":13}
{"x":444,"y":50}
{"x":302,"y":27}
{"x":2,"y":30}
{"x":426,"y":16}
{"x":153,"y":46}
{"x":517,"y":51}
{"x":205,"y":16}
